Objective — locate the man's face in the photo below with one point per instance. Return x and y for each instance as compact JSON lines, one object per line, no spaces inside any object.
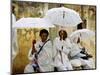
{"x":44,"y":37}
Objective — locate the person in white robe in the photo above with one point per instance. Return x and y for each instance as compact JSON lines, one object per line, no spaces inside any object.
{"x":62,"y":46}
{"x":14,"y":35}
{"x":14,"y":38}
{"x":76,"y":53}
{"x":45,"y":57}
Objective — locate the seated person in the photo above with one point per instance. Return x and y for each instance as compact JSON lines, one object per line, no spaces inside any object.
{"x":79,"y":52}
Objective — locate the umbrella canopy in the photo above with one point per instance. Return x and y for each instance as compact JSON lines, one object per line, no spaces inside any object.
{"x":63,"y":17}
{"x":33,"y":23}
{"x":83,"y":34}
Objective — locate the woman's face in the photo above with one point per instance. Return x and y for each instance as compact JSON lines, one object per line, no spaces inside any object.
{"x":77,"y":40}
{"x":61,"y":34}
{"x":44,"y":37}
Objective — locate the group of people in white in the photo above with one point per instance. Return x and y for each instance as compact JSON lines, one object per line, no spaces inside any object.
{"x":63,"y":55}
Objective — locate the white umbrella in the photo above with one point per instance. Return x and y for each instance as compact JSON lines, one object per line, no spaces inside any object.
{"x":33,"y":23}
{"x":63,"y":17}
{"x":83,"y":34}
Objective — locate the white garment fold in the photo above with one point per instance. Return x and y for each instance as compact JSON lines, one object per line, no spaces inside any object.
{"x":58,"y":44}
